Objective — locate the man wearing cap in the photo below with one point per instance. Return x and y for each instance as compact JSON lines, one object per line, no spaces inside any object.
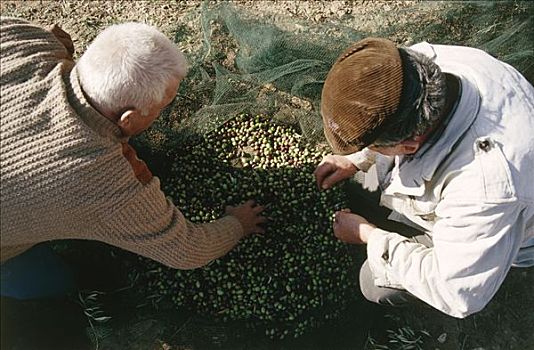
{"x":446,"y":133}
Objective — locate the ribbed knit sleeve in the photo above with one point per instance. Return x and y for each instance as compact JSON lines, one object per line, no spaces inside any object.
{"x":150,"y":225}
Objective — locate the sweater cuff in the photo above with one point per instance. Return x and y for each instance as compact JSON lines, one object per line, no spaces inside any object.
{"x":381,"y":248}
{"x":363,"y":159}
{"x":233,"y":225}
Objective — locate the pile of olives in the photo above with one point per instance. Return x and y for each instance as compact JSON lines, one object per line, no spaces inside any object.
{"x":296,"y":275}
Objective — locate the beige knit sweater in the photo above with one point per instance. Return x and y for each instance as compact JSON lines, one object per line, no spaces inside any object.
{"x":63,"y":173}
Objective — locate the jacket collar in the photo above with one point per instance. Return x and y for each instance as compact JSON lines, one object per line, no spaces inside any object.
{"x":409,"y":174}
{"x":90,"y":116}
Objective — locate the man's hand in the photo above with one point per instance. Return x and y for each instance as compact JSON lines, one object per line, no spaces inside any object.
{"x":351,"y":228}
{"x":249,"y":216}
{"x":332,"y":169}
{"x":63,"y":37}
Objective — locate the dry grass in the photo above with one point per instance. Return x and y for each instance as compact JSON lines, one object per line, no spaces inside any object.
{"x":85,"y":19}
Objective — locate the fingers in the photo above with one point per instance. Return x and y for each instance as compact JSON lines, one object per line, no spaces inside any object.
{"x":337,"y":216}
{"x":257,"y":209}
{"x":249,"y":205}
{"x":322,"y":171}
{"x":256,"y":223}
{"x":261,"y":220}
{"x":258,"y":229}
{"x":332,"y":179}
{"x":337,"y":229}
{"x":340,"y":216}
{"x":340,"y":228}
{"x":252,"y":205}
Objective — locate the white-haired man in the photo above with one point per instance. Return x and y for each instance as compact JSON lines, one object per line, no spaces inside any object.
{"x":67,"y":169}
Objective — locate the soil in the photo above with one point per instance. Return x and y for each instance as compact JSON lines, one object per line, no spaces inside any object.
{"x":506,"y":323}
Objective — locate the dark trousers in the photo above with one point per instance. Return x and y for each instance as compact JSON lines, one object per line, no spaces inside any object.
{"x":36,"y":273}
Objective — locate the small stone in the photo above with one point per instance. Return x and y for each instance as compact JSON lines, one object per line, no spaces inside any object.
{"x":442,"y":338}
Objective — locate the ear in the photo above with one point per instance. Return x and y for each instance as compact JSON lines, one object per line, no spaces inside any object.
{"x":410,"y":146}
{"x":127,"y":121}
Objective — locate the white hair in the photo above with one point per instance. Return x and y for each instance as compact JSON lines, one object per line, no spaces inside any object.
{"x":129,"y":65}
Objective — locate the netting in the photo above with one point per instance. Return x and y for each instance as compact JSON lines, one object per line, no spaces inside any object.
{"x":248,"y":65}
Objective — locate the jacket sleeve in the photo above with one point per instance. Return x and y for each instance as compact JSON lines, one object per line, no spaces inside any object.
{"x":474,"y":247}
{"x":363,"y":159}
{"x":151,"y":226}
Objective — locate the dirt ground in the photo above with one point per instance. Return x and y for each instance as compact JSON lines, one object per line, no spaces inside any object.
{"x":506,"y":323}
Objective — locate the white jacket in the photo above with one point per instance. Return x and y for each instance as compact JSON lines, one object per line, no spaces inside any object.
{"x":472,"y":190}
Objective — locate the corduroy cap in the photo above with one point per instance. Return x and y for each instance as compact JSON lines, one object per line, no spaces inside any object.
{"x":361,"y":94}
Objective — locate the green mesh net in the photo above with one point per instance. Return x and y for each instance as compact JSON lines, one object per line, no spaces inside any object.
{"x":277,"y":68}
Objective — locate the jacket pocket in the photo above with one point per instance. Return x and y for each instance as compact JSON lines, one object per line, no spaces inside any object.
{"x":494,"y":169}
